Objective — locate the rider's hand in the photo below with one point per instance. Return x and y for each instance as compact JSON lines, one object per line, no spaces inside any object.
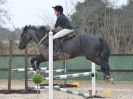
{"x":52,"y":29}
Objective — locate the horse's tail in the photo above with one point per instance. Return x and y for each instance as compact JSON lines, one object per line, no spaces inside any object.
{"x":105,"y":49}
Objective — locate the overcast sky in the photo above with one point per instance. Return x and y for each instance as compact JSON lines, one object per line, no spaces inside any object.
{"x":34,"y":12}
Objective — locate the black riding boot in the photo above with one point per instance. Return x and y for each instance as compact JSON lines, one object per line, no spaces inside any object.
{"x":58,"y":45}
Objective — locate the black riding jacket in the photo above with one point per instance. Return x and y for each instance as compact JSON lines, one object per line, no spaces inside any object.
{"x":63,"y":22}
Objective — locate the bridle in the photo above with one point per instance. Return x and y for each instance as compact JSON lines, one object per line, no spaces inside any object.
{"x":36,"y":39}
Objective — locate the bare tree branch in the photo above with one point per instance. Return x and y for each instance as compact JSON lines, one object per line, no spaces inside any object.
{"x":3,"y":12}
{"x":3,"y":1}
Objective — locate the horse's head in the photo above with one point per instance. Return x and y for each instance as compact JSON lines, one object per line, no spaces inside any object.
{"x":32,"y":33}
{"x":24,"y":38}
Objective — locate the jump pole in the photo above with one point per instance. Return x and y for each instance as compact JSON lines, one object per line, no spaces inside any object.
{"x":51,"y":69}
{"x":93,"y":79}
{"x":65,"y":72}
{"x":50,"y":65}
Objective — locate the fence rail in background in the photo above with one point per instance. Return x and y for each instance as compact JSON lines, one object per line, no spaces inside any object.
{"x":72,"y":70}
{"x":9,"y":88}
{"x":30,"y":55}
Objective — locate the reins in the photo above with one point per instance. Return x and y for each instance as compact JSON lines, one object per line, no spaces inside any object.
{"x":42,"y":40}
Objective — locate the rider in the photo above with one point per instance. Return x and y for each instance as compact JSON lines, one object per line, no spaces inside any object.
{"x":61,"y":22}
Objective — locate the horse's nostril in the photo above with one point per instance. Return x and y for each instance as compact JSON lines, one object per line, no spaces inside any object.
{"x":20,"y":45}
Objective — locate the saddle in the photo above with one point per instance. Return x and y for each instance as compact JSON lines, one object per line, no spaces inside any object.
{"x":67,"y":37}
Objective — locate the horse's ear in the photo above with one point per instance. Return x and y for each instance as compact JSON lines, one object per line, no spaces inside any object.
{"x":29,"y":26}
{"x":25,"y":28}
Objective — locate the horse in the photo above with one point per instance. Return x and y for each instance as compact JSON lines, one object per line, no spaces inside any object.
{"x":94,"y":48}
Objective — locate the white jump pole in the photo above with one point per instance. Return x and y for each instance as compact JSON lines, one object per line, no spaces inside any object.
{"x":50,"y":65}
{"x":94,"y":79}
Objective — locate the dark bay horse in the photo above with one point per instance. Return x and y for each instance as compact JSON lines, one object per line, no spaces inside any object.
{"x":93,"y":48}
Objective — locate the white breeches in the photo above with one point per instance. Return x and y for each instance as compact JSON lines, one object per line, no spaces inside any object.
{"x":62,"y":33}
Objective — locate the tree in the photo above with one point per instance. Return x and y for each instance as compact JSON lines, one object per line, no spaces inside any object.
{"x":102,"y":18}
{"x":3,"y":13}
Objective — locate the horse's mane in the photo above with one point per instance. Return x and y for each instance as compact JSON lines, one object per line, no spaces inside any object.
{"x":42,"y":28}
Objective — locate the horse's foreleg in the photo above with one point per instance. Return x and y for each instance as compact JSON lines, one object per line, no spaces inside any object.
{"x":39,"y":61}
{"x":33,"y":63}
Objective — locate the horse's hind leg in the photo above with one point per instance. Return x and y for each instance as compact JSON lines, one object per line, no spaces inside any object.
{"x":105,"y":68}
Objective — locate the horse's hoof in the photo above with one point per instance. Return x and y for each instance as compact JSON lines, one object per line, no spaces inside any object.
{"x":38,"y":71}
{"x":34,"y":68}
{"x":108,"y":79}
{"x":112,"y":81}
{"x":38,"y":68}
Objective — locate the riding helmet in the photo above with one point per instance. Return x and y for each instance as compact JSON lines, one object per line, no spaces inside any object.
{"x":58,"y":8}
